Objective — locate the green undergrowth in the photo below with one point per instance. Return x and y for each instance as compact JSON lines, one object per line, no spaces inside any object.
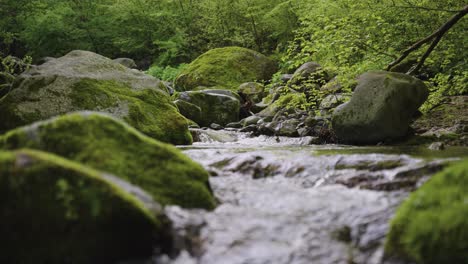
{"x":106,"y":144}
{"x":167,"y":73}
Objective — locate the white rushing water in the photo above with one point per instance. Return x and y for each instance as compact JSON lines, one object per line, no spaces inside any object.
{"x":282,"y":201}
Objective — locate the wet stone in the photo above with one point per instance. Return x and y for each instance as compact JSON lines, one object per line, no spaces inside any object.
{"x":280,"y":202}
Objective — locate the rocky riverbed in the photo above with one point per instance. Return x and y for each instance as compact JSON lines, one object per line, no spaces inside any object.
{"x":283,"y":201}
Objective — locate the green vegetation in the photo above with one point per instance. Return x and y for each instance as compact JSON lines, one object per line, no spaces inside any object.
{"x":347,"y":37}
{"x":54,"y":210}
{"x":432,"y":226}
{"x":167,"y":73}
{"x":106,"y":144}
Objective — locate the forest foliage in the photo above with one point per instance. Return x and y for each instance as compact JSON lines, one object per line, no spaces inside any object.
{"x":348,"y":37}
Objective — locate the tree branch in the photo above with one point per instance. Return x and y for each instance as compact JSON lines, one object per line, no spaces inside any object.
{"x":436,"y":36}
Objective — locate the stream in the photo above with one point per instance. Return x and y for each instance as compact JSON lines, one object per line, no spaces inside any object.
{"x":282,"y":200}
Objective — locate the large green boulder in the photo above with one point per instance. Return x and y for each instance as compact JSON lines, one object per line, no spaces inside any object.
{"x":431,"y":226}
{"x":226,"y":68}
{"x":380,"y":109}
{"x":106,"y":144}
{"x":83,"y":80}
{"x":57,"y":211}
{"x":220,"y":107}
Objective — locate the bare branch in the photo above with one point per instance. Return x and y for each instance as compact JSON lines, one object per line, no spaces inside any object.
{"x":437,"y":35}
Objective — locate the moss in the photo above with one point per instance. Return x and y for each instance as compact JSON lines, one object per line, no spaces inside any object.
{"x":106,"y":144}
{"x":149,"y":110}
{"x":86,"y":81}
{"x":431,"y":226}
{"x":226,"y":68}
{"x":57,"y":211}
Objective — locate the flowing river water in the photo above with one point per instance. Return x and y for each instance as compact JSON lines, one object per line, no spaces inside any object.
{"x":283,"y":201}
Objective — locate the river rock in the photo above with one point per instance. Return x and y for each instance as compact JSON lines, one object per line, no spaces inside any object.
{"x":106,"y":144}
{"x":380,"y":109}
{"x":215,"y":107}
{"x":251,"y":120}
{"x":310,"y":71}
{"x":83,"y":80}
{"x":127,"y":62}
{"x":286,"y":77}
{"x":431,"y":225}
{"x":57,"y":211}
{"x":253,"y":91}
{"x":234,"y":125}
{"x":288,"y":128}
{"x":332,"y":87}
{"x":226,"y":68}
{"x":189,"y":110}
{"x":331,"y":101}
{"x":210,"y":136}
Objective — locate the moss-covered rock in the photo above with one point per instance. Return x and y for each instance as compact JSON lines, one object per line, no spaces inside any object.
{"x":189,"y":110}
{"x":57,"y":211}
{"x":380,"y":109}
{"x":253,"y":91}
{"x":288,"y":103}
{"x":84,"y":80}
{"x":226,"y":68}
{"x":220,"y":108}
{"x":431,"y":226}
{"x":106,"y":144}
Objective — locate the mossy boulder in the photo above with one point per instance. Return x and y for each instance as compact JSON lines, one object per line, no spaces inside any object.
{"x":189,"y":110}
{"x":431,"y":226}
{"x":380,"y":109}
{"x":253,"y":91}
{"x":83,"y":80}
{"x":226,"y":68}
{"x":220,"y":108}
{"x":107,"y":144}
{"x":57,"y":211}
{"x":288,"y":103}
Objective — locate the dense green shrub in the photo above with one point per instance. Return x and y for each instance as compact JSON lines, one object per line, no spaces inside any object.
{"x":345,"y":36}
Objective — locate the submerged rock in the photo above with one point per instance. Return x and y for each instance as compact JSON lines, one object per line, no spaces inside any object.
{"x":380,"y":109}
{"x":106,"y":144}
{"x":226,"y":68}
{"x":57,"y":211}
{"x":431,"y":226}
{"x":83,"y":80}
{"x":215,"y":107}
